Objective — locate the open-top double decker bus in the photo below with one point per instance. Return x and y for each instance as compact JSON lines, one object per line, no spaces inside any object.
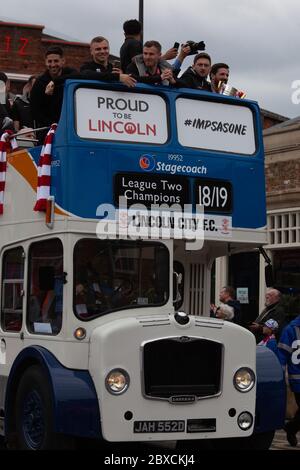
{"x":109,"y":337}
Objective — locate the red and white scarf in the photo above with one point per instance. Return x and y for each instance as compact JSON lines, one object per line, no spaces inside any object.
{"x":44,"y":172}
{"x":5,"y":144}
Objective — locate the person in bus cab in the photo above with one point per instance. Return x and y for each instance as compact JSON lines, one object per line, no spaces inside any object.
{"x":150,"y":68}
{"x":45,"y":108}
{"x":219,"y":74}
{"x":196,"y":75}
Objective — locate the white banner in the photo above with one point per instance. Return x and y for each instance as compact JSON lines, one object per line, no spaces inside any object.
{"x":217,"y":226}
{"x":119,"y":116}
{"x":215,"y":126}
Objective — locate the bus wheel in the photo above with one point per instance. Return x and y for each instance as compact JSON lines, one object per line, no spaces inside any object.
{"x":34,"y":415}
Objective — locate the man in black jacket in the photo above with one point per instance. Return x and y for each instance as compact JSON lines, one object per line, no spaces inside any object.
{"x":273,"y":310}
{"x":196,"y":75}
{"x":150,"y":68}
{"x":99,"y":49}
{"x":46,"y":108}
{"x":132,"y":45}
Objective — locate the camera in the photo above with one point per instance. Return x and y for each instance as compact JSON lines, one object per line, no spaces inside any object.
{"x":195,"y":46}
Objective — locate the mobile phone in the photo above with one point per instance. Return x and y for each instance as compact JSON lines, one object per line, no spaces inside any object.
{"x":176,"y":45}
{"x":116,"y":64}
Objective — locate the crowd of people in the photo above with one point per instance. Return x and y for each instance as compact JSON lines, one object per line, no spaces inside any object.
{"x":271,"y":330}
{"x":39,"y":105}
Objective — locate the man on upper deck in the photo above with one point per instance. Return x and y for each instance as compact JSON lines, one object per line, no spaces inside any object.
{"x":150,"y":68}
{"x":219,"y":75}
{"x":196,"y":75}
{"x":99,"y":49}
{"x":133,"y":45}
{"x":46,"y":108}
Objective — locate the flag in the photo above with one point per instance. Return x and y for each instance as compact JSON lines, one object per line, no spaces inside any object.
{"x":6,"y":143}
{"x":44,"y":172}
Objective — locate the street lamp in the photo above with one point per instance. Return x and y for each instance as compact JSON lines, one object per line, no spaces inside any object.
{"x":141,"y":17}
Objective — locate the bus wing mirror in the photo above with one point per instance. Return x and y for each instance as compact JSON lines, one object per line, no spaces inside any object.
{"x":177,"y":280}
{"x":269,"y":276}
{"x":2,"y":92}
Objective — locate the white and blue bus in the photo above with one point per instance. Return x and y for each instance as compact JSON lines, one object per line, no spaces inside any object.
{"x":109,"y":337}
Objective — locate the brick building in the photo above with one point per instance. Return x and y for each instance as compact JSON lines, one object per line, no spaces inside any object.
{"x":270,"y":119}
{"x":22,"y":51}
{"x":282,"y":149}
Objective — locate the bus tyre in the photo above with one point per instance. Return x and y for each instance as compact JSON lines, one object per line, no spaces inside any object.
{"x":34,"y":412}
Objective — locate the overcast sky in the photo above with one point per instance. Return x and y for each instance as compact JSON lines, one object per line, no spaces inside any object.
{"x":259,"y":39}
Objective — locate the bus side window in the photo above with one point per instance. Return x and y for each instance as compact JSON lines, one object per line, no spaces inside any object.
{"x":12,"y":289}
{"x":45,"y":287}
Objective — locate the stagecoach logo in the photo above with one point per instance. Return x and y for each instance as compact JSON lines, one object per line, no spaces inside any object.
{"x":182,"y":399}
{"x":147,"y":162}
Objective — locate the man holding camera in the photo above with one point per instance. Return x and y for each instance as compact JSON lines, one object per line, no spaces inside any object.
{"x":196,"y":75}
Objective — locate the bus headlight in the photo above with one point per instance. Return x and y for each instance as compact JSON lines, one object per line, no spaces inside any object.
{"x":244,"y":379}
{"x":117,"y":381}
{"x":245,"y":421}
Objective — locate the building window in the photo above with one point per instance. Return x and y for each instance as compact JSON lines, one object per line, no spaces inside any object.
{"x":12,"y":289}
{"x":284,"y":228}
{"x":45,"y":287}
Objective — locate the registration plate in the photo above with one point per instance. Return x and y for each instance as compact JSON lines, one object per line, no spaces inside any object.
{"x":158,"y":426}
